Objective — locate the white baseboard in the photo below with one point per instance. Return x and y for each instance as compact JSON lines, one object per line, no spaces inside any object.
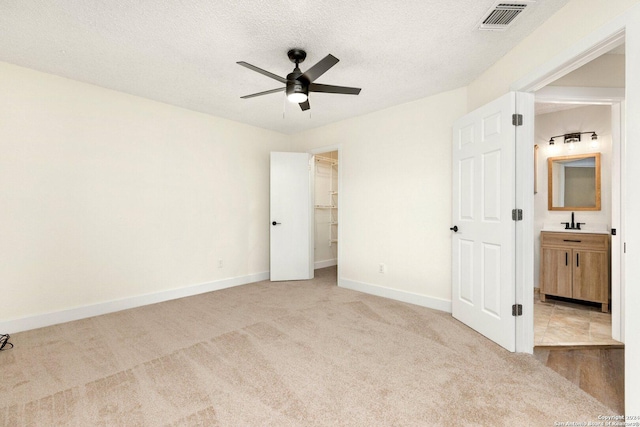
{"x":409,"y":297}
{"x":325,"y":263}
{"x":54,"y":318}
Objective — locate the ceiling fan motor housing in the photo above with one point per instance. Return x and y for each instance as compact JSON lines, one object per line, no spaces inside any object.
{"x":296,"y":84}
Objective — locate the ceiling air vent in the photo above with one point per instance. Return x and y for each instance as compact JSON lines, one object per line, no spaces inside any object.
{"x":502,"y":15}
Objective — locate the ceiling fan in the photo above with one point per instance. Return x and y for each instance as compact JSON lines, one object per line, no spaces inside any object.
{"x":299,"y":84}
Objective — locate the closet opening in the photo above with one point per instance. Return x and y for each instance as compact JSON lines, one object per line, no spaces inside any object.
{"x":326,"y":180}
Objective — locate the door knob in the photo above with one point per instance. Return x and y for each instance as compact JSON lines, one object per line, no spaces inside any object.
{"x":454,"y":228}
{"x":275,"y":223}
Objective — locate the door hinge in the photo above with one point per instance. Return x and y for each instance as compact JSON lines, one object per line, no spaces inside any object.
{"x":516,"y":310}
{"x":516,"y":214}
{"x":516,"y":119}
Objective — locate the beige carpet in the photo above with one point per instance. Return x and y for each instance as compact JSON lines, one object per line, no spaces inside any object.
{"x":281,"y":354}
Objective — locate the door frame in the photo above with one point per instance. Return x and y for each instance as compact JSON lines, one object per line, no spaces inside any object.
{"x":338,"y":148}
{"x":595,"y":44}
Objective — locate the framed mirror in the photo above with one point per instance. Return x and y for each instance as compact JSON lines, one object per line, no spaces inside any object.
{"x":574,"y":182}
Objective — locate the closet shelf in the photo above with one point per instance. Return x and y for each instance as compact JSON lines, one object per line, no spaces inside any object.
{"x":321,"y":159}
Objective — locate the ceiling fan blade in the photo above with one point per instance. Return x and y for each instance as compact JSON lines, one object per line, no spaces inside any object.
{"x":263,"y":72}
{"x":315,"y":87}
{"x":304,"y":106}
{"x":266,"y":92}
{"x":321,"y":67}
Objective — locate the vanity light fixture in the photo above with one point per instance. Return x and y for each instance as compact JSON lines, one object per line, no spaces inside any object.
{"x":572,"y":138}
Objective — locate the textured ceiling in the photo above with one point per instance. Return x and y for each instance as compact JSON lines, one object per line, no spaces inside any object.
{"x":184,"y":52}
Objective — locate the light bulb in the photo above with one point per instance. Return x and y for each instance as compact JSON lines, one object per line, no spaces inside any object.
{"x":297,"y":97}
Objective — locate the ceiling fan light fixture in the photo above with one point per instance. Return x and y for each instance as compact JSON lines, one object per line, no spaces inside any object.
{"x":296,"y":92}
{"x":297,"y":97}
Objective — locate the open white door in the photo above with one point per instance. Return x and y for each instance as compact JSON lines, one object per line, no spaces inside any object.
{"x":291,"y":222}
{"x":483,"y":245}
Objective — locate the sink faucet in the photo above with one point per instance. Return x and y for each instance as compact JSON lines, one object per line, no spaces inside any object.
{"x":572,"y":225}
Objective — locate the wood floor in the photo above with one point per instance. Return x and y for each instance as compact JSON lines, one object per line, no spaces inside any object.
{"x":598,"y":370}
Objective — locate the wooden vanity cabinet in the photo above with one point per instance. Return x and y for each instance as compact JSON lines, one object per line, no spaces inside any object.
{"x":575,"y":265}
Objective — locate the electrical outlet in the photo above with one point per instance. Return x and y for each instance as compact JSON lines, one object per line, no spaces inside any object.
{"x":382,"y":268}
{"x":220,"y":263}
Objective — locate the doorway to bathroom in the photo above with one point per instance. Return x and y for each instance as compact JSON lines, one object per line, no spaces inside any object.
{"x":578,"y":117}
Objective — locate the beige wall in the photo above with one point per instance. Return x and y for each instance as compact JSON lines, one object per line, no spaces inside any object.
{"x":604,"y":71}
{"x":113,"y":196}
{"x":395,"y":202}
{"x":106,"y":196}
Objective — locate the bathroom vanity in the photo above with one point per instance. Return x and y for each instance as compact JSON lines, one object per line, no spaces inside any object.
{"x":575,"y":264}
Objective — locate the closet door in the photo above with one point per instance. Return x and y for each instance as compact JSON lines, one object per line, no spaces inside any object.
{"x":291,"y":222}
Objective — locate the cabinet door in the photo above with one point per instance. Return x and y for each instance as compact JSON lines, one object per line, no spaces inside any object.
{"x":590,"y":276}
{"x":556,"y":272}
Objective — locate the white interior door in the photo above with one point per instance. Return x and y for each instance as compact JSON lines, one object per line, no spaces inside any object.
{"x":483,"y":247}
{"x":291,"y":222}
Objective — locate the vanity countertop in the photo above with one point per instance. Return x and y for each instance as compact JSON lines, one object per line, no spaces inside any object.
{"x":583,"y":231}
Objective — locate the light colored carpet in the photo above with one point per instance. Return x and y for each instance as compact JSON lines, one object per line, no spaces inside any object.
{"x":281,"y":354}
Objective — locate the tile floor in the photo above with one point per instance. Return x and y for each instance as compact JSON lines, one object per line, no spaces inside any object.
{"x":562,"y":323}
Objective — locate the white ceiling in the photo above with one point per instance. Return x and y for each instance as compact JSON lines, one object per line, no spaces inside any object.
{"x":184,"y":53}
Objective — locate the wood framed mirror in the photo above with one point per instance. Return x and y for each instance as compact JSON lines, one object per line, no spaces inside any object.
{"x":574,"y":182}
